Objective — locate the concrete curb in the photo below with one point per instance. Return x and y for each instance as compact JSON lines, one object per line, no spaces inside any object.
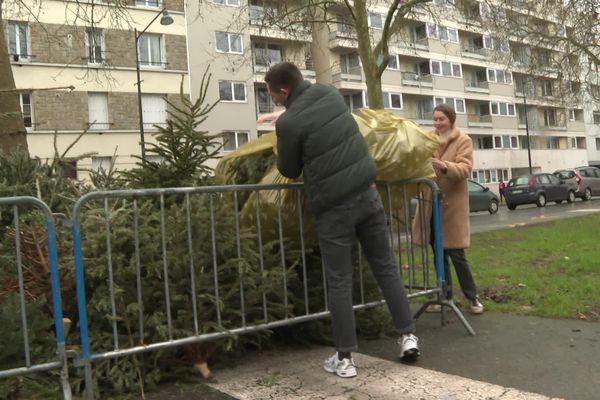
{"x":300,"y":375}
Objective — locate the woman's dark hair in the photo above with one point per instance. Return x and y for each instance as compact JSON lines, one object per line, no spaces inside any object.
{"x":282,"y":75}
{"x":448,"y":111}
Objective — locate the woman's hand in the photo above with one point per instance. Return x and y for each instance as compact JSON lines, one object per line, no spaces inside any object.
{"x":439,"y":165}
{"x":270,"y":117}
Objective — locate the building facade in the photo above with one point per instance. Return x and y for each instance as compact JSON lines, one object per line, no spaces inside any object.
{"x":442,"y":54}
{"x":91,"y":48}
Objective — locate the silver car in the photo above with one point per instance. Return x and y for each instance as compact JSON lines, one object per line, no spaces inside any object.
{"x":584,"y":181}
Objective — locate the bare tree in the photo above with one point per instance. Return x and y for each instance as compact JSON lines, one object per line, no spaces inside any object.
{"x":311,"y":16}
{"x":12,"y":128}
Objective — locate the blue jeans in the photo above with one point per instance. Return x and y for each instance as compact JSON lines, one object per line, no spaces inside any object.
{"x":361,"y":216}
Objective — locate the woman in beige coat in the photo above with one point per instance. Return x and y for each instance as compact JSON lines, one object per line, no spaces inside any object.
{"x":452,"y":162}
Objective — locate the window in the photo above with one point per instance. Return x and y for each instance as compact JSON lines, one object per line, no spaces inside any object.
{"x":596,"y":117}
{"x":445,"y":68}
{"x":490,"y":175}
{"x":355,"y":100}
{"x":392,"y":100}
{"x":376,"y":20}
{"x":229,"y":43}
{"x":442,"y":32}
{"x":94,"y":46}
{"x":394,"y":62}
{"x":154,"y":110}
{"x":150,"y":50}
{"x":101,"y":163}
{"x":234,"y":139}
{"x":25,"y":100}
{"x":506,"y":142}
{"x":550,"y":117}
{"x":447,"y":3}
{"x":493,"y":43}
{"x":546,"y":87}
{"x":98,"y":110}
{"x":264,"y":102}
{"x":148,"y":3}
{"x":503,"y":109}
{"x":349,"y":62}
{"x":18,"y":41}
{"x":232,"y":91}
{"x":499,"y":76}
{"x":69,"y":169}
{"x":457,"y":104}
{"x":572,"y":115}
{"x":234,"y":3}
{"x":267,"y":54}
{"x":485,"y":142}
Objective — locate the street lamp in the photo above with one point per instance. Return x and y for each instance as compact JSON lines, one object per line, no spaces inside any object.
{"x":525,"y":88}
{"x":166,"y":19}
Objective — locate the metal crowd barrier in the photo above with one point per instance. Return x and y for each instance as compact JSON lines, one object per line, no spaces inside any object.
{"x":126,"y":212}
{"x":13,"y":258}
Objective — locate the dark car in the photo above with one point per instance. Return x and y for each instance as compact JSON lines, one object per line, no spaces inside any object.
{"x":481,"y":198}
{"x":537,"y":188}
{"x":585,"y":181}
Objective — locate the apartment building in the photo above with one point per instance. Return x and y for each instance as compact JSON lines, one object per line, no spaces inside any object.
{"x":91,"y":47}
{"x":504,"y":90}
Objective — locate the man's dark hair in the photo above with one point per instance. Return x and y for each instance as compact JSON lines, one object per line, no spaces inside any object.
{"x":284,"y":74}
{"x":448,"y":110}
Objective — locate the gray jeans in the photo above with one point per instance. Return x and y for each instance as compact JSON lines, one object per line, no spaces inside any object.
{"x":361,"y":216}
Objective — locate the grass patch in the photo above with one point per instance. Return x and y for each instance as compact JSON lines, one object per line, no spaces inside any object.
{"x":550,"y":269}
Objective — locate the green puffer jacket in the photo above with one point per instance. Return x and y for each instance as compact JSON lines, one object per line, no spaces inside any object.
{"x":318,"y":136}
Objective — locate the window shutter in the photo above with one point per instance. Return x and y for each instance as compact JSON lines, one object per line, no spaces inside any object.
{"x":98,"y":110}
{"x":154,"y":110}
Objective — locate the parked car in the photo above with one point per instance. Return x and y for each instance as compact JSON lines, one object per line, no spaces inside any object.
{"x":481,"y":198}
{"x":537,"y":188}
{"x":585,"y":181}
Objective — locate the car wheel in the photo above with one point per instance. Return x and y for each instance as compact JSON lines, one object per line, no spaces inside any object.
{"x":511,"y":206}
{"x":587,"y":194}
{"x":493,"y":208}
{"x":541,"y":200}
{"x":571,"y":196}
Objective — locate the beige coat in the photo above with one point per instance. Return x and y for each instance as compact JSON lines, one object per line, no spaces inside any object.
{"x":457,"y":152}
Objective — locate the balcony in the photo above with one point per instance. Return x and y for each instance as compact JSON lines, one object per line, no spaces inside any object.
{"x":345,"y":38}
{"x":479,"y":121}
{"x":477,"y":87}
{"x":307,"y":69}
{"x":414,"y":79}
{"x":478,"y":53}
{"x":419,"y":44}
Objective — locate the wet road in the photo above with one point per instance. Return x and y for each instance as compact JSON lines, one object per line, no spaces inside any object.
{"x":531,"y":214}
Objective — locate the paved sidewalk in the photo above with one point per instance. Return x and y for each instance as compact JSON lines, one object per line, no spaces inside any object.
{"x":299,"y":375}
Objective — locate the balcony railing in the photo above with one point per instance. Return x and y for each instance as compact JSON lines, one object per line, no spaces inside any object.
{"x":477,"y":86}
{"x":479,"y":121}
{"x":414,"y":79}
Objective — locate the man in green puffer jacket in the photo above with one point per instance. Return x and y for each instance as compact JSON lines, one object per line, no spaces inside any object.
{"x":318,"y":137}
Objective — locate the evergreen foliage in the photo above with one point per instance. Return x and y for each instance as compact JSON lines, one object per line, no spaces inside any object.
{"x":183,"y":149}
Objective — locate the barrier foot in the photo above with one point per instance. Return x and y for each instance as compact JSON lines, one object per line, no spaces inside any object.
{"x":452,"y":306}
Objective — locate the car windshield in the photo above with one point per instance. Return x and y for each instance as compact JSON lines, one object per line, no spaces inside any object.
{"x":522,"y":180}
{"x":564,"y":174}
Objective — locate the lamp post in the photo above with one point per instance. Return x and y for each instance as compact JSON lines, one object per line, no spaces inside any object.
{"x":527,"y":126}
{"x":166,"y":19}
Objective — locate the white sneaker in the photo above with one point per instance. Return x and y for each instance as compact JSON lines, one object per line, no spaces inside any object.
{"x":343,"y":368}
{"x":476,"y":307}
{"x":409,"y":347}
{"x":433,"y":308}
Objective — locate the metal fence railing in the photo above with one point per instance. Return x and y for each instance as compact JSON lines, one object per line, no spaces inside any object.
{"x":157,"y":269}
{"x":30,"y":281}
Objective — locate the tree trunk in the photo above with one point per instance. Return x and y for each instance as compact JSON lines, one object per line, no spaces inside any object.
{"x":367,"y":58}
{"x":12,"y":127}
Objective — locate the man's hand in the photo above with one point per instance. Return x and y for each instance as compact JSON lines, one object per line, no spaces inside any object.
{"x":270,"y":117}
